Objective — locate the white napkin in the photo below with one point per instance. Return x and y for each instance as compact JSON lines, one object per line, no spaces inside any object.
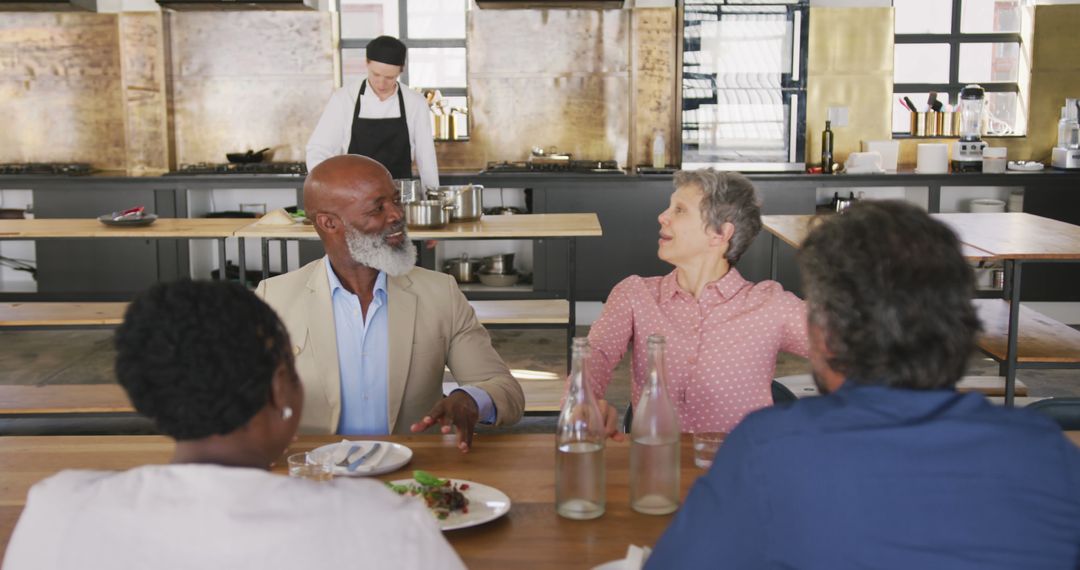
{"x":636,"y":557}
{"x":375,"y":460}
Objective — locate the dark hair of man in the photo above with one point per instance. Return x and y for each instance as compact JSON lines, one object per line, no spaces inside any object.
{"x":198,"y":357}
{"x":890,"y":288}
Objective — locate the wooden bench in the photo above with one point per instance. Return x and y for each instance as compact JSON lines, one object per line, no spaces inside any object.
{"x":63,"y":399}
{"x":1039,"y":338}
{"x":49,"y":314}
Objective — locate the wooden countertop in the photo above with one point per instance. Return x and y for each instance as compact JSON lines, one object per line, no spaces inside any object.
{"x":792,"y":230}
{"x":180,"y":228}
{"x":1016,"y":235}
{"x":513,"y":226}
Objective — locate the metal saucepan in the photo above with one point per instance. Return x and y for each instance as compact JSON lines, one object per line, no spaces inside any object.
{"x":249,"y":156}
{"x":428,"y":214}
{"x":466,"y":201}
{"x":463,"y":269}
{"x":501,"y":264}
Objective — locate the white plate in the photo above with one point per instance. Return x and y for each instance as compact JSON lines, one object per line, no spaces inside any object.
{"x":612,"y":565}
{"x":485,"y":505}
{"x":395,"y":457}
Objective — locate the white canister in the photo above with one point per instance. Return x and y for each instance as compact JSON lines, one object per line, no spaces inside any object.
{"x":994,"y":159}
{"x":932,"y":158}
{"x":1016,"y":201}
{"x":987,"y":205}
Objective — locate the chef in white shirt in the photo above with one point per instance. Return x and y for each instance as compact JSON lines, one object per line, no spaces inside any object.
{"x":380,"y":118}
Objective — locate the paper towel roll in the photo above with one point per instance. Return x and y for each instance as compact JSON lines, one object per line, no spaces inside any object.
{"x":932,"y":158}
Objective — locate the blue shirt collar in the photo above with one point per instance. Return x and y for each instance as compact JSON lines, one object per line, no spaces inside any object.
{"x":335,"y":283}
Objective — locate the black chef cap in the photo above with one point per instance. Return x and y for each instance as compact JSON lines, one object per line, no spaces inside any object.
{"x":386,"y":49}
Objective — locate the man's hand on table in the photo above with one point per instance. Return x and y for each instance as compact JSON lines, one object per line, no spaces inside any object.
{"x":458,"y":410}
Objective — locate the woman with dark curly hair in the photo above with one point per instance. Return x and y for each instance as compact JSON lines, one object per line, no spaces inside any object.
{"x":210,"y":364}
{"x":723,"y":332}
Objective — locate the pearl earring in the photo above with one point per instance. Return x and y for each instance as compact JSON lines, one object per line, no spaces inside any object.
{"x":286,"y":413}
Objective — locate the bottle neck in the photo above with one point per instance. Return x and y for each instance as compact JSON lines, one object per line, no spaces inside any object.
{"x":656,"y":368}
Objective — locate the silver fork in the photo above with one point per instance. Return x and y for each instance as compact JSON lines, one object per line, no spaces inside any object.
{"x":345,"y":462}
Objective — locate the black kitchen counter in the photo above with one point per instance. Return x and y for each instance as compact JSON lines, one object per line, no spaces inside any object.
{"x":626,"y":204}
{"x":902,"y":178}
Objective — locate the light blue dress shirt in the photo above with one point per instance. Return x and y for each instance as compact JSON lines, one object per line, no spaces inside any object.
{"x":363,"y":355}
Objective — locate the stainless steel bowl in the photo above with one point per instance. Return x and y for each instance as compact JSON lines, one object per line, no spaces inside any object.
{"x":463,"y":269}
{"x":429,"y":214}
{"x":502,"y":264}
{"x":498,"y":279}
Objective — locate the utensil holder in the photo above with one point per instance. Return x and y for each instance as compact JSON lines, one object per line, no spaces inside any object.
{"x":934,"y":124}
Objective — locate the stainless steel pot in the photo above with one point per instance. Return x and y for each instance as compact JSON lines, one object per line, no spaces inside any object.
{"x":463,"y":269}
{"x":466,"y":201}
{"x":501,"y":264}
{"x":430,"y":214}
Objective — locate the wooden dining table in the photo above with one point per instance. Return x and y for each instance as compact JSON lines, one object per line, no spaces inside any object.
{"x":530,"y":536}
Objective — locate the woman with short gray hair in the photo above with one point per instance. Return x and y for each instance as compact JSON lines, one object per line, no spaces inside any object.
{"x":723,"y":332}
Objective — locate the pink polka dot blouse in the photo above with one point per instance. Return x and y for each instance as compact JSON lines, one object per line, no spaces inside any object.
{"x":721,"y":349}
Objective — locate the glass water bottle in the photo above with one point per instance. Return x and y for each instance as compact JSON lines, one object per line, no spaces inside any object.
{"x":579,"y":453}
{"x":654,"y":451}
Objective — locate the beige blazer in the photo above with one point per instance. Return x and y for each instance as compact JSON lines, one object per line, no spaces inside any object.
{"x":431,"y":325}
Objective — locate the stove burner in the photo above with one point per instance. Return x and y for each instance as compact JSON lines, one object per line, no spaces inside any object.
{"x":47,"y":168}
{"x":278,"y":168}
{"x":571,"y":166}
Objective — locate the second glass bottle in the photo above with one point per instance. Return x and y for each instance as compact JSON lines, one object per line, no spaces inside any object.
{"x":654,"y":451}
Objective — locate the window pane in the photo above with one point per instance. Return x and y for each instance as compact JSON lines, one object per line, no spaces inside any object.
{"x":989,"y":63}
{"x":923,"y":16}
{"x":921,"y":63}
{"x":437,"y":19}
{"x":353,"y":62}
{"x":1003,"y":114}
{"x":436,"y":67}
{"x":366,"y":19}
{"x":988,"y":16}
{"x":901,"y":117}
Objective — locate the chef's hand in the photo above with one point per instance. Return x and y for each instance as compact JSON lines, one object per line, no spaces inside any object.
{"x":611,"y":420}
{"x":458,"y":410}
{"x":430,"y":244}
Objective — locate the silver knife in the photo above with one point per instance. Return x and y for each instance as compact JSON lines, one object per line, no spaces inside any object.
{"x":367,"y":455}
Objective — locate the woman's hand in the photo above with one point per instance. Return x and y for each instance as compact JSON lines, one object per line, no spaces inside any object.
{"x":611,"y":420}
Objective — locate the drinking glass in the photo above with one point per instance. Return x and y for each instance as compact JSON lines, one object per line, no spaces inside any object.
{"x":706,"y":444}
{"x":305,"y":465}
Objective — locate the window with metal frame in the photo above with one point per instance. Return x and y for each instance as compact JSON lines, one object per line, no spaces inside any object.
{"x":943,"y":45}
{"x":433,"y":30}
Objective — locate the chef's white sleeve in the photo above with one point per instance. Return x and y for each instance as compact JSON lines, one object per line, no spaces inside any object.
{"x":331,"y":135}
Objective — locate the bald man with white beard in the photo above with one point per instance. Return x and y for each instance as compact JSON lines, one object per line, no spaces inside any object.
{"x":372,"y":332}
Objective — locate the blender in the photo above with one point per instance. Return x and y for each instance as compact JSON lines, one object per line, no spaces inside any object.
{"x":1066,"y":154}
{"x":967,"y":152}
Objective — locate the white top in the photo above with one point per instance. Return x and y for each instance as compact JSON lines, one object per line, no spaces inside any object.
{"x":211,"y":517}
{"x":334,"y":131}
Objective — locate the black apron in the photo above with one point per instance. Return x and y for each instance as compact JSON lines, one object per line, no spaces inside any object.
{"x":385,"y":140}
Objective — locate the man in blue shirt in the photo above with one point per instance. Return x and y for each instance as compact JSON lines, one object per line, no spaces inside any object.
{"x":371,"y":332}
{"x":893,"y":468}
